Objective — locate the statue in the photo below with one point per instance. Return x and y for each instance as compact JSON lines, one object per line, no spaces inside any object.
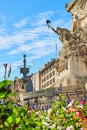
{"x":69,"y":40}
{"x":18,"y":86}
{"x":65,"y":36}
{"x":61,"y":64}
{"x":77,"y":23}
{"x":71,"y":43}
{"x":82,"y":35}
{"x":82,"y":3}
{"x":72,"y":61}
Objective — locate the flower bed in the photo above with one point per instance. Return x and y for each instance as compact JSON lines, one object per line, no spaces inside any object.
{"x":62,"y":116}
{"x":65,"y":114}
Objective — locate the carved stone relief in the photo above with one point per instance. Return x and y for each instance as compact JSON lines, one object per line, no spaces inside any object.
{"x":82,"y":4}
{"x":18,"y":86}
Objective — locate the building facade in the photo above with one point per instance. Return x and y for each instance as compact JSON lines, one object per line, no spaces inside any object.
{"x":48,"y":75}
{"x":36,"y":81}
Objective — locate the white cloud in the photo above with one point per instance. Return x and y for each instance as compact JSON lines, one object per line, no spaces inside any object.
{"x":31,"y":35}
{"x":21,"y":23}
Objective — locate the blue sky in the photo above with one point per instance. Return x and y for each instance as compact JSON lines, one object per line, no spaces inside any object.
{"x":23,"y":30}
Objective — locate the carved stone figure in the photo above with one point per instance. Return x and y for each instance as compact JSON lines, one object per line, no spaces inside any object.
{"x":82,"y":3}
{"x":82,"y":35}
{"x":77,"y":23}
{"x":61,"y":64}
{"x":72,"y":61}
{"x":66,"y":37}
{"x":18,"y":86}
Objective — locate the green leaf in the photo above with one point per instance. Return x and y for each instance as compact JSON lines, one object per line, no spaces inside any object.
{"x":15,"y":111}
{"x":23,"y":126}
{"x":10,"y":105}
{"x":3,"y":95}
{"x":6,"y":123}
{"x":18,"y":120}
{"x":9,"y":120}
{"x":12,"y":94}
{"x":5,"y":83}
{"x":17,"y":128}
{"x":13,"y":117}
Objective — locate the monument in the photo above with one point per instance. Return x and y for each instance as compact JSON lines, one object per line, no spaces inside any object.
{"x":24,"y":69}
{"x":19,"y":85}
{"x":72,"y":61}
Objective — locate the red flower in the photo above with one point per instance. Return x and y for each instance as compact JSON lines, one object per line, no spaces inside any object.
{"x":5,"y":65}
{"x":82,"y":102}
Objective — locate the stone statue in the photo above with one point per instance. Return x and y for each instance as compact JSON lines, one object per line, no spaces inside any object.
{"x":77,"y":23}
{"x":72,"y":42}
{"x":68,"y":39}
{"x":82,"y":35}
{"x":18,"y":86}
{"x":82,"y":3}
{"x":72,"y":62}
{"x":65,"y":36}
{"x":61,"y":64}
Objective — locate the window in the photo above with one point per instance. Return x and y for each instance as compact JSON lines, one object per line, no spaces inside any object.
{"x":53,"y":80}
{"x":50,"y":81}
{"x":50,"y":74}
{"x":47,"y":76}
{"x":47,"y":83}
{"x":53,"y":72}
{"x":44,"y":78}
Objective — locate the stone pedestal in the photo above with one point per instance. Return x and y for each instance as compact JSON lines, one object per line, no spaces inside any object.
{"x":75,"y":74}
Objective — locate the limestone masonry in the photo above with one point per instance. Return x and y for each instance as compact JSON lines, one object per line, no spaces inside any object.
{"x":72,"y":63}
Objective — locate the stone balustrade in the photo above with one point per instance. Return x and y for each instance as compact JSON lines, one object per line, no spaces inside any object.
{"x":48,"y":96}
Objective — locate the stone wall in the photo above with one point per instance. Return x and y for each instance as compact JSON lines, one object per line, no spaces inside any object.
{"x":48,"y":96}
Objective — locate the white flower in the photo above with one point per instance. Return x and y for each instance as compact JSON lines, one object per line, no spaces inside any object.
{"x":80,"y":106}
{"x":70,"y":104}
{"x":49,"y":111}
{"x":57,"y":112}
{"x":52,"y":126}
{"x":60,"y":128}
{"x":48,"y":119}
{"x":64,"y":108}
{"x":45,"y":123}
{"x":69,"y":128}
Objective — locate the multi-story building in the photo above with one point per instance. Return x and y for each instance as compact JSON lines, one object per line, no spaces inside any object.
{"x":33,"y":82}
{"x":48,"y":75}
{"x":36,"y":81}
